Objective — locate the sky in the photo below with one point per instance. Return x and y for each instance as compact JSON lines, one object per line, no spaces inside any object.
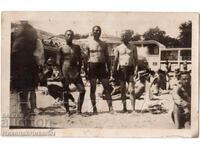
{"x":111,"y":23}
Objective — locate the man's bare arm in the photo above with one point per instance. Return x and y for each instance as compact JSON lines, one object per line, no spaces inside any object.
{"x":136,"y":60}
{"x":80,"y":59}
{"x":116,"y":60}
{"x":108,"y":62}
{"x":176,"y":97}
{"x":85,"y":60}
{"x":59,"y":59}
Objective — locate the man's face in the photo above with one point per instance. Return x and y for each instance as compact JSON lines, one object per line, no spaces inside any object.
{"x":96,"y":32}
{"x":185,"y":79}
{"x":125,"y":37}
{"x":69,"y":35}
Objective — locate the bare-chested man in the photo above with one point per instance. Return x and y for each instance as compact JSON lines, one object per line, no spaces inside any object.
{"x":182,"y":101}
{"x":126,"y":60}
{"x":70,"y":60}
{"x":99,"y":67}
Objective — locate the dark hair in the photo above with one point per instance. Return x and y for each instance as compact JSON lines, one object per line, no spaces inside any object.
{"x":69,"y":31}
{"x":185,"y":73}
{"x":96,"y":26}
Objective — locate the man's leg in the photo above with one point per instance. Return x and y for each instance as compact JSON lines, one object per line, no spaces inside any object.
{"x":177,"y":117}
{"x":81,"y":89}
{"x":66,"y":101}
{"x":24,"y":101}
{"x":123,"y":94}
{"x":132,"y":94}
{"x":23,"y":95}
{"x":65,"y":95}
{"x":187,"y":117}
{"x":92,"y":94}
{"x":106,"y":86}
{"x":33,"y":100}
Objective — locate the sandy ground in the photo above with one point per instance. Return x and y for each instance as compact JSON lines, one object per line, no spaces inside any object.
{"x":54,"y":116}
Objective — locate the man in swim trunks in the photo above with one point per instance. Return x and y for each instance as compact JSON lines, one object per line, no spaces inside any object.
{"x":70,"y":61}
{"x":99,"y":67}
{"x":126,"y":63}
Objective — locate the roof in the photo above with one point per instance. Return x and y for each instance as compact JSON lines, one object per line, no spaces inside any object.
{"x":149,"y":42}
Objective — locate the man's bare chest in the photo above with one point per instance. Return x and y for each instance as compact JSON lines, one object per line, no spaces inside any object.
{"x":96,"y":48}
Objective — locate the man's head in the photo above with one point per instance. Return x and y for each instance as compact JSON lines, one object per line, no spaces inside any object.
{"x":126,"y":35}
{"x":96,"y":32}
{"x":185,"y":65}
{"x":69,"y":36}
{"x":185,"y":78}
{"x":177,"y":73}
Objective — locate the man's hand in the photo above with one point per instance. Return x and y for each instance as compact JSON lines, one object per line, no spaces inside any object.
{"x":86,"y":76}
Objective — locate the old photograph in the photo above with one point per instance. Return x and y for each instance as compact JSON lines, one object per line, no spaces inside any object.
{"x":100,"y":74}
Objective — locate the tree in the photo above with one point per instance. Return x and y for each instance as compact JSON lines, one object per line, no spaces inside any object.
{"x":155,"y":34}
{"x":185,"y":36}
{"x":172,"y":42}
{"x":160,"y":36}
{"x":136,"y":37}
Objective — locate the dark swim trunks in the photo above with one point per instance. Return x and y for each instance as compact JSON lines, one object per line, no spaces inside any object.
{"x":126,"y":73}
{"x":98,"y":71}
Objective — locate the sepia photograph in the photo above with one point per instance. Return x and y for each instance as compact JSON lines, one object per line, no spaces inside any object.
{"x":100,"y":74}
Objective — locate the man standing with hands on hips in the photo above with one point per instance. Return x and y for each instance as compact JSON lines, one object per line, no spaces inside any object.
{"x":126,"y":64}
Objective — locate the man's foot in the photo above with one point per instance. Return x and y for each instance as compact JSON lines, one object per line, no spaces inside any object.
{"x":134,"y":112}
{"x":68,"y":114}
{"x":78,"y":112}
{"x":95,"y":112}
{"x":124,"y":110}
{"x":111,"y":110}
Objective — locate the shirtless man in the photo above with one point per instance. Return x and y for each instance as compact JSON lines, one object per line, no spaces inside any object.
{"x":70,"y":60}
{"x":99,"y":67}
{"x":126,"y":60}
{"x":182,"y":101}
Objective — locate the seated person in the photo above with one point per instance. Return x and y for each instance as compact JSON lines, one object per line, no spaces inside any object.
{"x":182,"y":101}
{"x":141,"y":83}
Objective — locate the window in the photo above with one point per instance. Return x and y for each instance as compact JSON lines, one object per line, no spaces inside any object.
{"x":169,"y":55}
{"x":185,"y":55}
{"x":153,"y":49}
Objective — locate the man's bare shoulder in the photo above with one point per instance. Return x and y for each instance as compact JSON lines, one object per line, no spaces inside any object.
{"x":133,"y":46}
{"x":119,"y":47}
{"x":76,"y":46}
{"x":103,"y":43}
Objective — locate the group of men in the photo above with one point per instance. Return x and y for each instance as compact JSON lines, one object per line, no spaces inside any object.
{"x":97,"y":65}
{"x":27,"y":55}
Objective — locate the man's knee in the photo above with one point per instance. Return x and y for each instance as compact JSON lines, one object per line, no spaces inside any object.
{"x":131,"y":90}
